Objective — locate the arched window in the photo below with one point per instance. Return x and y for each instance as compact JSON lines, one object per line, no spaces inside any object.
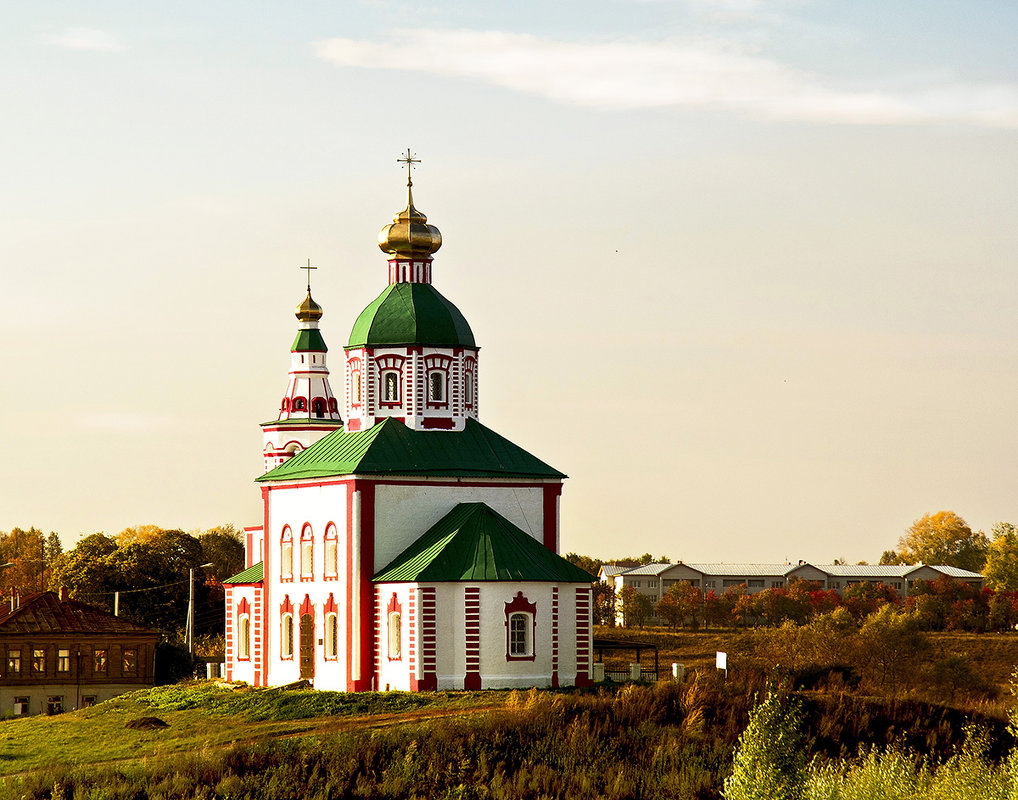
{"x":307,"y":553}
{"x":395,"y":636}
{"x":436,"y":386}
{"x":331,"y":635}
{"x":394,"y":610}
{"x":286,"y":636}
{"x":520,"y":624}
{"x":244,"y":637}
{"x":333,"y":404}
{"x":331,"y":552}
{"x":299,"y":404}
{"x":519,"y":639}
{"x":390,"y":387}
{"x":286,"y":404}
{"x":318,"y":407}
{"x":468,"y":388}
{"x":355,"y":386}
{"x":286,"y":555}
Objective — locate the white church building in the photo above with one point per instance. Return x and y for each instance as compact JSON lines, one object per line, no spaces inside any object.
{"x":410,"y":547}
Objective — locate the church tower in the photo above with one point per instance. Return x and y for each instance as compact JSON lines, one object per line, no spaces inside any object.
{"x":309,"y":410}
{"x":411,"y":354}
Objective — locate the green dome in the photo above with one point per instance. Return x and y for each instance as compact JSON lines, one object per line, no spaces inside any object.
{"x":411,"y":313}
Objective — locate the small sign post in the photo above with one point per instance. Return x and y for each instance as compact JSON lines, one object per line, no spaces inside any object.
{"x":722,"y":662}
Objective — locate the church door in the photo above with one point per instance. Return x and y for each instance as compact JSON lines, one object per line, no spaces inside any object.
{"x":307,"y":646}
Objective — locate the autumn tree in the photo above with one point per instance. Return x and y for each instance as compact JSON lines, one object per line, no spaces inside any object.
{"x":603,"y":601}
{"x":592,"y":566}
{"x":1001,"y":568}
{"x":636,"y":607}
{"x":943,"y":538}
{"x":27,"y":557}
{"x":668,"y":609}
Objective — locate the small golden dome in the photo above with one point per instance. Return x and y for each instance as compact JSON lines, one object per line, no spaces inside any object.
{"x":409,"y":235}
{"x":309,"y":310}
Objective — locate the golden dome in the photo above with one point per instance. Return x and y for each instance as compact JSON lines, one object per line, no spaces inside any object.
{"x":309,"y":310}
{"x":409,"y":235}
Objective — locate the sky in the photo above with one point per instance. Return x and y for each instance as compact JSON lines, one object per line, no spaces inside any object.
{"x":744,"y":270}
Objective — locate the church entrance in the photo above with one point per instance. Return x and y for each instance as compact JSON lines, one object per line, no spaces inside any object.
{"x":307,"y":647}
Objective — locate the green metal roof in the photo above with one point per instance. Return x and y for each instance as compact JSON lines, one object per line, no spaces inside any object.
{"x":391,"y":448}
{"x":253,"y":574}
{"x":411,"y":313}
{"x":475,"y":543}
{"x":309,"y":339}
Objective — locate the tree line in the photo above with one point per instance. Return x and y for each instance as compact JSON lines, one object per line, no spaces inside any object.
{"x":147,"y":565}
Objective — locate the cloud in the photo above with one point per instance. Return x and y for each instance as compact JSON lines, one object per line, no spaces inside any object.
{"x":705,"y":73}
{"x":123,"y":421}
{"x":86,"y":39}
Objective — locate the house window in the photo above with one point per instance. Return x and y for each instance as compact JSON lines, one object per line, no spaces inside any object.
{"x":331,"y":636}
{"x":130,"y":661}
{"x":777,"y":584}
{"x":436,"y":386}
{"x":286,"y":555}
{"x":55,"y":704}
{"x":395,"y":636}
{"x":88,"y":700}
{"x":331,"y":552}
{"x":21,"y":705}
{"x":307,"y":549}
{"x":390,"y":387}
{"x":63,"y":660}
{"x":99,"y":661}
{"x":14,"y":662}
{"x":244,"y":637}
{"x":38,"y":662}
{"x":756,"y":583}
{"x":520,"y":624}
{"x":286,"y":637}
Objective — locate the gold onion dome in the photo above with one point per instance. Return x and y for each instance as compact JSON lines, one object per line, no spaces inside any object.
{"x":409,"y":235}
{"x":309,"y":310}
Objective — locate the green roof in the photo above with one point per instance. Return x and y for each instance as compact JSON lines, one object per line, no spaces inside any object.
{"x":391,"y":448}
{"x":474,"y":543}
{"x":411,"y":313}
{"x":253,"y":574}
{"x":309,"y":339}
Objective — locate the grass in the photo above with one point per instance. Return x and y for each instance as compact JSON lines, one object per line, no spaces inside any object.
{"x":204,"y":716}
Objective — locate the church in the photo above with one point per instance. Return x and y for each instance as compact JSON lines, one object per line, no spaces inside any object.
{"x":409,"y":547}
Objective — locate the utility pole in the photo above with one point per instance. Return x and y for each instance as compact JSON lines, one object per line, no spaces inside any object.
{"x":190,"y":607}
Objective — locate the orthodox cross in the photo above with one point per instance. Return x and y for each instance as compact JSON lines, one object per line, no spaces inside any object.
{"x":308,"y":268}
{"x":409,"y":161}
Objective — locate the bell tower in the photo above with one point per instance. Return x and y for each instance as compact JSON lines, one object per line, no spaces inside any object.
{"x":309,"y":410}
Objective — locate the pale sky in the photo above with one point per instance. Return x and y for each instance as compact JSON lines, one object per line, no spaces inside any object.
{"x":745,"y":270}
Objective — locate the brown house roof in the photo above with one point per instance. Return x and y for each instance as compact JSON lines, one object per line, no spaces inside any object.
{"x":45,"y":612}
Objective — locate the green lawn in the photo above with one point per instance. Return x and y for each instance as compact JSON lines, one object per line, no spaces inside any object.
{"x":207,"y":716}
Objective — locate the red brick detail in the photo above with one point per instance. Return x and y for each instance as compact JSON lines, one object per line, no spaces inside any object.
{"x":229,"y":633}
{"x":472,"y":612}
{"x":441,"y":423}
{"x":429,"y":638}
{"x":258,"y":644}
{"x":554,"y":637}
{"x":365,"y":570}
{"x":306,"y":607}
{"x":583,"y":637}
{"x":353,"y":424}
{"x":412,"y":639}
{"x":378,"y":631}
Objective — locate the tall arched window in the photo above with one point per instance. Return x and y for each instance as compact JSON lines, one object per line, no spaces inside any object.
{"x":244,"y":637}
{"x":307,"y":553}
{"x":299,"y":404}
{"x":468,"y":388}
{"x":355,"y":386}
{"x":436,"y":386}
{"x":331,"y":635}
{"x":520,"y":624}
{"x":331,"y":552}
{"x":286,"y":636}
{"x":390,"y":387}
{"x":286,"y":555}
{"x":395,"y":636}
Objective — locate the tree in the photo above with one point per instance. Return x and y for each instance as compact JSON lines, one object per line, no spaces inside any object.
{"x":25,"y":551}
{"x":603,"y":600}
{"x":943,"y":538}
{"x":717,"y":609}
{"x":668,"y":609}
{"x":636,"y":607}
{"x":1001,"y":568}
{"x":224,"y":549}
{"x":589,"y":565}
